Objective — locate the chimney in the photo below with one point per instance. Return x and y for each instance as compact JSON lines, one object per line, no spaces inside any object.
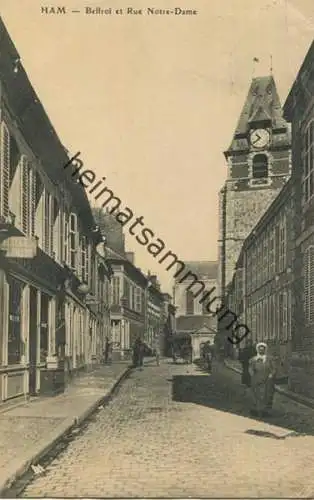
{"x":153,"y":279}
{"x":130,"y":257}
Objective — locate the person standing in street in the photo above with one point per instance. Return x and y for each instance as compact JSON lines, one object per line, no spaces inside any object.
{"x":262,"y":369}
{"x":245,"y":355}
{"x":157,"y":351}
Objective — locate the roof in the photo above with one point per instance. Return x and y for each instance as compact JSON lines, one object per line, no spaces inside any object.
{"x":262,"y":104}
{"x":206,"y":269}
{"x":304,"y":75}
{"x":195,"y":323}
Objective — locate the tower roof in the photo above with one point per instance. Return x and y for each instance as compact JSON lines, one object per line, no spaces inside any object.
{"x":262,"y":106}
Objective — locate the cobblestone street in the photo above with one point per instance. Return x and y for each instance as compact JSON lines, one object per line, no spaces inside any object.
{"x":175,"y":431}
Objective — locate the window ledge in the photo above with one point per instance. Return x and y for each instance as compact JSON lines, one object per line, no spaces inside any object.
{"x":260,"y":182}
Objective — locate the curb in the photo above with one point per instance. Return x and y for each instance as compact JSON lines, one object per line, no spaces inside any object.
{"x":57,"y":435}
{"x":284,"y":392}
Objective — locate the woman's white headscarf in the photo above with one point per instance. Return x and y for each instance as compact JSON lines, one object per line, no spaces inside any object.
{"x":261,"y":356}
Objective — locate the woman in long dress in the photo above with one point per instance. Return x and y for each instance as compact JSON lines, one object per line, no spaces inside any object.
{"x":262,"y":371}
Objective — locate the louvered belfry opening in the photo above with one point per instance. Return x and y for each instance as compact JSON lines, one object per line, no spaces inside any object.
{"x":260,"y":166}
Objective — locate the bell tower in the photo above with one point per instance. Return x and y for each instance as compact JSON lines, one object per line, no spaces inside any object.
{"x":259,"y":165}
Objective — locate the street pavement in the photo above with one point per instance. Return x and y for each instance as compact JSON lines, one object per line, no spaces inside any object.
{"x":28,"y":429}
{"x":176,"y":431}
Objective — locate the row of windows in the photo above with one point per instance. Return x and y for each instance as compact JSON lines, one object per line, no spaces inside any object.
{"x":270,"y":318}
{"x":268,"y":256}
{"x":37,"y":212}
{"x":133,"y":295}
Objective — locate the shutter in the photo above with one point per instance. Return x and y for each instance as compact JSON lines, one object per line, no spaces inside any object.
{"x":25,"y":195}
{"x":4,"y":170}
{"x":311,"y":285}
{"x":32,"y":208}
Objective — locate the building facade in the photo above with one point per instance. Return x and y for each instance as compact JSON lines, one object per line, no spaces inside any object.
{"x":299,"y":110}
{"x":128,"y":296}
{"x":258,"y":166}
{"x":168,"y":324}
{"x":192,"y":318}
{"x":49,"y":262}
{"x":261,"y":292}
{"x":155,"y":319}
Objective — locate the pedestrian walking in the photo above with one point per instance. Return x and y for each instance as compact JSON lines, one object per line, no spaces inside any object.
{"x":141,"y":348}
{"x":208,"y":355}
{"x":136,"y":352}
{"x":157,"y":352}
{"x":245,"y":355}
{"x":263,"y":371}
{"x":106,"y":350}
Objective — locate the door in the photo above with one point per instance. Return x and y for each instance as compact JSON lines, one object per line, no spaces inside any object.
{"x":33,"y":340}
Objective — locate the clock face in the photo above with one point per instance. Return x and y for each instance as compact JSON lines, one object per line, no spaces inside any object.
{"x":259,"y":138}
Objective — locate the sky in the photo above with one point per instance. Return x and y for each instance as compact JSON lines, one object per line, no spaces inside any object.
{"x":152,"y":102}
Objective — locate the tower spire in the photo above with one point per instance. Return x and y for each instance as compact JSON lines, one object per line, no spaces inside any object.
{"x":271,"y":64}
{"x":255,"y":62}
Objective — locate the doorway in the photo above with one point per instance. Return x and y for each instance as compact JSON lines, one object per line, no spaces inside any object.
{"x":33,"y":341}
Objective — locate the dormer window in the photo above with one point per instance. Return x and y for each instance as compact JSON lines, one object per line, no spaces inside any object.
{"x":260,"y":167}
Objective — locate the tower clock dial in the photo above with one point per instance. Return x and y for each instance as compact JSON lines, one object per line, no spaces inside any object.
{"x":259,"y":138}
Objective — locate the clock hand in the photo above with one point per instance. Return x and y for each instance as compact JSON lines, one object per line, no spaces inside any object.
{"x":257,"y":139}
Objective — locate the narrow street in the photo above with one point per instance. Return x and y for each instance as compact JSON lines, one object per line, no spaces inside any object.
{"x":175,"y":431}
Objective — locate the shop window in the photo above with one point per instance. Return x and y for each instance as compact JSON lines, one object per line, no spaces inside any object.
{"x":15,"y":345}
{"x":44,"y":320}
{"x":260,"y":166}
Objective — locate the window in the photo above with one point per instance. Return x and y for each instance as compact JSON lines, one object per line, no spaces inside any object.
{"x":133,"y":297}
{"x":83,"y":258}
{"x":284,"y":324}
{"x":260,"y":166}
{"x":73,"y":240}
{"x":116,"y":290}
{"x":309,"y":285}
{"x":282,"y":245}
{"x":65,"y":238}
{"x":4,"y":170}
{"x":15,"y":321}
{"x":189,"y":302}
{"x":55,"y":227}
{"x":277,"y":248}
{"x":44,"y":315}
{"x":271,"y":253}
{"x":308,"y":162}
{"x":266,"y":258}
{"x":138,"y":305}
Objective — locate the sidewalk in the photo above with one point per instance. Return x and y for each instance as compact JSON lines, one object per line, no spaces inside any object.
{"x":235,"y":366}
{"x":31,"y":429}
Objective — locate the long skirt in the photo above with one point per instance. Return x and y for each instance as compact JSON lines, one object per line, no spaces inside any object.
{"x":135,"y":358}
{"x":246,"y":377}
{"x":263,"y":395}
